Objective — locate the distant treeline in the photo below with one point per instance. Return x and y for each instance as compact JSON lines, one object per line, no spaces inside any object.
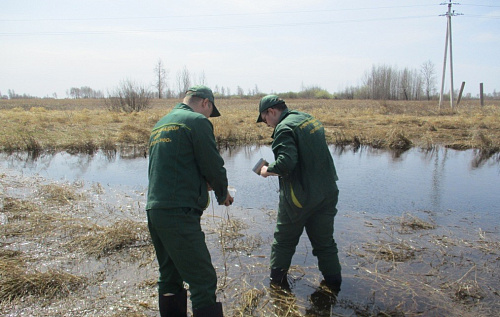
{"x":379,"y":83}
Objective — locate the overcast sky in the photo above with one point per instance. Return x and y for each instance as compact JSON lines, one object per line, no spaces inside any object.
{"x":49,"y":46}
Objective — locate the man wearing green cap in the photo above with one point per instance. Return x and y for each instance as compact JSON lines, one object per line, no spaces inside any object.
{"x":184,"y":164}
{"x":308,"y":191}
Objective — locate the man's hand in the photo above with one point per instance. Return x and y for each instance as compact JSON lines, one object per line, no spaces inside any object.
{"x":264,"y":173}
{"x":229,"y":200}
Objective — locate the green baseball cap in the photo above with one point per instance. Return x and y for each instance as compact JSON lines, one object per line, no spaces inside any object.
{"x":267,"y":102}
{"x":205,"y":93}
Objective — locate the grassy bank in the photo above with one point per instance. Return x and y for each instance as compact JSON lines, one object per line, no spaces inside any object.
{"x":85,"y":126}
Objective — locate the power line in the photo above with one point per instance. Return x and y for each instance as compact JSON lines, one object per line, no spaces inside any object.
{"x":211,"y":28}
{"x":493,"y":17}
{"x":480,"y":5}
{"x":213,"y":15}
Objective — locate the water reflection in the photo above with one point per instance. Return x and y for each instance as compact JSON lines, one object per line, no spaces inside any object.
{"x":371,"y":180}
{"x":437,"y":175}
{"x":482,"y":157}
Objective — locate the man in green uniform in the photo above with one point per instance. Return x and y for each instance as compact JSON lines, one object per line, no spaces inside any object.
{"x":308,"y":190}
{"x":184,"y":164}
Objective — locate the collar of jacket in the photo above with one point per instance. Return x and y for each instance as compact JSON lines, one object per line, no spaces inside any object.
{"x":284,"y":114}
{"x":183,"y":106}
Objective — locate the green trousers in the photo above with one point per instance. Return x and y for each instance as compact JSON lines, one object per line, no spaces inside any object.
{"x":318,"y":224}
{"x":182,"y":254}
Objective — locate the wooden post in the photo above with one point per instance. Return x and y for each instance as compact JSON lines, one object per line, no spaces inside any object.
{"x":451,"y":65}
{"x":460,"y":93}
{"x":444,"y":66}
{"x":481,"y":93}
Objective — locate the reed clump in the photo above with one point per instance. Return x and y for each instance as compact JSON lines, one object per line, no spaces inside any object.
{"x":50,"y":284}
{"x":17,"y":280}
{"x":411,"y":223}
{"x":17,"y":209}
{"x":393,"y":252}
{"x":61,"y":194}
{"x":101,"y":241}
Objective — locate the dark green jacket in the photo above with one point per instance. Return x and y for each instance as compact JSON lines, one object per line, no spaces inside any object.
{"x":183,"y":158}
{"x":303,"y":161}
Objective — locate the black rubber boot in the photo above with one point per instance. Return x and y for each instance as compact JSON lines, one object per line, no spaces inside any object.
{"x":333,"y":282}
{"x":279,"y":279}
{"x":211,"y":311}
{"x":321,"y":303}
{"x":174,"y":305}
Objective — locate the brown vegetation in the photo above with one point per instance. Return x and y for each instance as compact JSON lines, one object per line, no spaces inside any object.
{"x":83,"y":125}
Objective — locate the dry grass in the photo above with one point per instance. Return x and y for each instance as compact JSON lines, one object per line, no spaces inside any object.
{"x":410,"y":223}
{"x":401,"y":251}
{"x":17,"y":209}
{"x":101,"y":241}
{"x":18,"y":283}
{"x":84,"y":125}
{"x":61,"y":194}
{"x":10,"y":259}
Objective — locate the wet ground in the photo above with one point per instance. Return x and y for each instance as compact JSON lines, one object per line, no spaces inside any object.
{"x":417,"y":233}
{"x":404,"y":264}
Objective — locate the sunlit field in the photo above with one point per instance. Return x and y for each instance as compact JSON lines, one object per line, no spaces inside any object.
{"x":85,"y":125}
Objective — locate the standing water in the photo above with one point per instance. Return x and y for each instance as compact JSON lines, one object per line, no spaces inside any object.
{"x":389,"y":267}
{"x":377,"y":182}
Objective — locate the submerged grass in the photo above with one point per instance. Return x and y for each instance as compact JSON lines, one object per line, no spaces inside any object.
{"x":393,"y":252}
{"x":411,"y":223}
{"x":84,"y":125}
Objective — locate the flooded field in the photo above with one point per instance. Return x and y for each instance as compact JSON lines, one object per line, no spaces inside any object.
{"x":418,"y":235}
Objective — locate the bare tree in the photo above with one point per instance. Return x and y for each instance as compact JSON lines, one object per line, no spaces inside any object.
{"x":178,"y":80}
{"x":75,"y":92}
{"x":256,"y":90}
{"x":183,"y":81}
{"x":84,"y":92}
{"x":186,"y":79}
{"x":161,"y":78}
{"x":239,"y":91}
{"x":385,"y":82}
{"x":202,"y":79}
{"x":129,"y":97}
{"x":405,"y":84}
{"x":428,"y":75}
{"x":381,"y":83}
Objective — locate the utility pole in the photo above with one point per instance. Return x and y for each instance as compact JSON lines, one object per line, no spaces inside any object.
{"x":449,"y":14}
